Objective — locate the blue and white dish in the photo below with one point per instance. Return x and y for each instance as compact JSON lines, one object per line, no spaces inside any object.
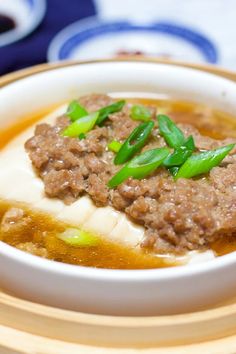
{"x":26,"y":14}
{"x":94,"y":39}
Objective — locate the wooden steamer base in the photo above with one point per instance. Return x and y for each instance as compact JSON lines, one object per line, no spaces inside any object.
{"x":26,"y":327}
{"x":31,"y":328}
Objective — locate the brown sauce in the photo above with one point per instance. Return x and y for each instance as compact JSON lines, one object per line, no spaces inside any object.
{"x":39,"y":236}
{"x":208,"y":121}
{"x":10,"y":132}
{"x":43,"y":229}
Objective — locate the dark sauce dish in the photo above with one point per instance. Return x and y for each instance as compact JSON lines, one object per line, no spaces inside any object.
{"x":6,"y":24}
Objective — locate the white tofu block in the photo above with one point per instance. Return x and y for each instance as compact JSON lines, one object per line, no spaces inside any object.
{"x":26,"y":188}
{"x":50,"y":206}
{"x":127,"y":232}
{"x":103,"y":221}
{"x":78,"y":212}
{"x":200,"y":257}
{"x":16,"y":157}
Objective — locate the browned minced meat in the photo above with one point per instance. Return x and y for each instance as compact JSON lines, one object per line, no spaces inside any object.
{"x":14,"y":220}
{"x":33,"y":248}
{"x":177,"y":216}
{"x":15,"y":225}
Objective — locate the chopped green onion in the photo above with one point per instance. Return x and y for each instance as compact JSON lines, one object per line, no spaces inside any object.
{"x":173,"y":136}
{"x":203,"y":162}
{"x":134,"y":142}
{"x":140,"y":166}
{"x":82,"y":136}
{"x":189,"y":143}
{"x":106,"y":111}
{"x":114,"y":146}
{"x":78,"y":238}
{"x":174,"y":170}
{"x":75,"y":111}
{"x":181,"y":154}
{"x":81,"y":126}
{"x":139,"y":112}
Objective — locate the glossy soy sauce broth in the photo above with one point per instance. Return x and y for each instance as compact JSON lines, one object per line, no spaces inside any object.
{"x":208,"y":121}
{"x":40,"y":236}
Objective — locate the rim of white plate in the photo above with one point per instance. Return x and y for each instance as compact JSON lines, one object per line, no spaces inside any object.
{"x":116,"y":274}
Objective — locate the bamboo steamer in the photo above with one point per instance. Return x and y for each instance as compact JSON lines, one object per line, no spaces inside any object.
{"x":26,"y":327}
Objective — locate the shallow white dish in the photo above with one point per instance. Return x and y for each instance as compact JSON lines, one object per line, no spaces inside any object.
{"x":136,"y":292}
{"x":93,"y":38}
{"x":27,"y":14}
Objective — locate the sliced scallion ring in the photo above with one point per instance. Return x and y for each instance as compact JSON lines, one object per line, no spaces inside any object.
{"x":75,"y":111}
{"x":114,"y":146}
{"x":106,"y":111}
{"x":81,"y":126}
{"x":173,"y":136}
{"x":202,"y":163}
{"x":78,"y":238}
{"x":139,"y":112}
{"x":134,"y":142}
{"x":181,"y":154}
{"x":140,"y":166}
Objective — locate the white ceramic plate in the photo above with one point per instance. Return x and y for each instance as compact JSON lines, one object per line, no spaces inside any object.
{"x":27,"y":14}
{"x":92,"y":39}
{"x":119,"y":292}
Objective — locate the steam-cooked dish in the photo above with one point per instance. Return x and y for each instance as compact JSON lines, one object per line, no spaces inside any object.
{"x":167,"y":168}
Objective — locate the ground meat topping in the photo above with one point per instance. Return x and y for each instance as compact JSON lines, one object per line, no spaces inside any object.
{"x":14,"y":219}
{"x":32,"y":248}
{"x":177,"y":216}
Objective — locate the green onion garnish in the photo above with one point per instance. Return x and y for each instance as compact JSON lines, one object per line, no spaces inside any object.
{"x":105,"y":111}
{"x":75,"y":111}
{"x":140,"y":166}
{"x":181,"y":154}
{"x":81,"y":126}
{"x":114,"y":146}
{"x":139,"y":112}
{"x":173,"y":136}
{"x":203,"y":162}
{"x":82,"y":136}
{"x":134,"y":142}
{"x":78,"y":238}
{"x":173,"y":170}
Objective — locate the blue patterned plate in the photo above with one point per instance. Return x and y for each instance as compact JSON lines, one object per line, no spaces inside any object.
{"x":93,"y":39}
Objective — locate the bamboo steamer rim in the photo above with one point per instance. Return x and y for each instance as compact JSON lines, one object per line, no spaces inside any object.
{"x":30,"y":323}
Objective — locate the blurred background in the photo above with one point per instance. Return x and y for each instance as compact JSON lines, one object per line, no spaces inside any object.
{"x":39,"y":31}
